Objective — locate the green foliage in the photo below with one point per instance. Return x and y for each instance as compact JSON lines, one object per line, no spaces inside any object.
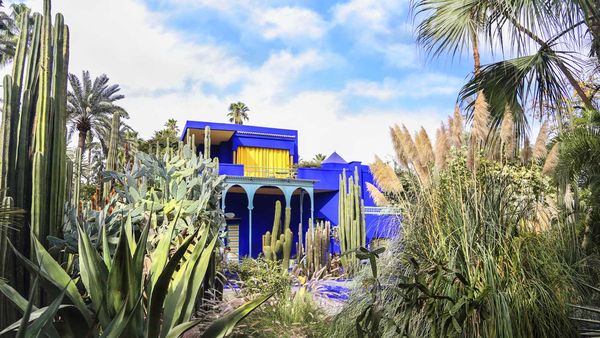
{"x":162,"y":139}
{"x":238,"y":112}
{"x":480,"y":255}
{"x":287,"y":314}
{"x":144,"y":258}
{"x":262,"y":275}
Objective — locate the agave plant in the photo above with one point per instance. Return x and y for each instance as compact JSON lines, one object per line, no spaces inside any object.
{"x":113,"y":303}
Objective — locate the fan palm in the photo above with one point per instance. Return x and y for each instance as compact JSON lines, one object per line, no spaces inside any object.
{"x":552,"y":29}
{"x":238,"y":112}
{"x":578,"y":163}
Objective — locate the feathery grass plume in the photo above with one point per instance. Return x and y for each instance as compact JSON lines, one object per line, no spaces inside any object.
{"x":481,"y":116}
{"x":539,"y":150}
{"x":507,"y":133}
{"x":471,"y":154}
{"x":385,"y":177}
{"x":456,"y":128}
{"x":410,"y":150}
{"x":378,"y":197}
{"x":551,"y":160}
{"x":441,"y":147}
{"x":424,"y":148}
{"x":526,"y":151}
{"x":396,"y":136}
{"x":568,"y":198}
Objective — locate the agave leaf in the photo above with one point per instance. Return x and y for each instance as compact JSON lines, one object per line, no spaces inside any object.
{"x":50,"y":270}
{"x":191,"y":282}
{"x":161,"y":253}
{"x":225,"y":325}
{"x":120,"y":278}
{"x":46,"y":318}
{"x":94,"y":275}
{"x":14,"y":296}
{"x":117,"y":326}
{"x":160,"y":289}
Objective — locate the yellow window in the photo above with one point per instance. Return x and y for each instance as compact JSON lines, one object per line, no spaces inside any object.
{"x":264,"y":162}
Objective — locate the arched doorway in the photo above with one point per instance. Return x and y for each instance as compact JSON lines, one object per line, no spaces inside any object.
{"x":235,"y":207}
{"x":263,"y":213}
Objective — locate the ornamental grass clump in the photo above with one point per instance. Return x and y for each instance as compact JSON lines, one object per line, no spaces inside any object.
{"x":484,"y":251}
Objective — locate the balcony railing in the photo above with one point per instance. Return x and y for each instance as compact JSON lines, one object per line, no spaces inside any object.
{"x":270,"y":172}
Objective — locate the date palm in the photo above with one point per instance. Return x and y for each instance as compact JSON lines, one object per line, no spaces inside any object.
{"x":90,"y":106}
{"x":238,"y":112}
{"x":9,"y":30}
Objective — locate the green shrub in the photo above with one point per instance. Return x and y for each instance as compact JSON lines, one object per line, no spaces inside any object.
{"x":482,"y":254}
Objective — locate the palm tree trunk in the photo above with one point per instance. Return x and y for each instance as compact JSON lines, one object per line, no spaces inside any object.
{"x":81,"y":141}
{"x":476,"y":56}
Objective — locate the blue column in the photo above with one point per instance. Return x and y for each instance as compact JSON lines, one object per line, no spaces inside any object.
{"x":250,"y":191}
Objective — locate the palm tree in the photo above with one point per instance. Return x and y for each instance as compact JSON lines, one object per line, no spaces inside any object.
{"x":9,"y":30}
{"x":450,"y":26}
{"x":319,"y":158}
{"x":578,"y":167}
{"x":90,"y":106}
{"x":551,"y":28}
{"x":238,"y":112}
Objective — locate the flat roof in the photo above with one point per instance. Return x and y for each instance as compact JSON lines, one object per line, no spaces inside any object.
{"x":242,"y":128}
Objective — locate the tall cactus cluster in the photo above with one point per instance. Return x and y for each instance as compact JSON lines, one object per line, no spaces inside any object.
{"x":318,"y":240}
{"x":33,"y":168}
{"x":111,"y":159}
{"x":351,"y":227}
{"x":278,"y":240}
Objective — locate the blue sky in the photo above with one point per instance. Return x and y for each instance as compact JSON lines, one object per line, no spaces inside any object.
{"x":340,"y":72}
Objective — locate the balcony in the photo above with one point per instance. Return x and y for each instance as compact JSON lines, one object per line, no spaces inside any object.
{"x":250,"y":171}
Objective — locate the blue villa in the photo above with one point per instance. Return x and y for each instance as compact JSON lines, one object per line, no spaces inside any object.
{"x":260,"y":165}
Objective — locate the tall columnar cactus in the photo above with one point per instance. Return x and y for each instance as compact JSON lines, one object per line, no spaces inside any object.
{"x":278,"y":240}
{"x":207,"y":142}
{"x":33,"y":160}
{"x":351,"y":220}
{"x":318,"y":255}
{"x":111,"y":160}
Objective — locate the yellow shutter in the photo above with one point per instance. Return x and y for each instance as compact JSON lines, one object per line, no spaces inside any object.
{"x":264,"y":162}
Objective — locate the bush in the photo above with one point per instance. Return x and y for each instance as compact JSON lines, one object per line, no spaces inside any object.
{"x":482,"y":253}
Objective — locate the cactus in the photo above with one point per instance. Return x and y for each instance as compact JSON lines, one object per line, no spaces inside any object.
{"x":351,"y":220}
{"x":278,"y":239}
{"x":317,"y":248}
{"x":33,"y":168}
{"x":207,"y":142}
{"x":111,"y":160}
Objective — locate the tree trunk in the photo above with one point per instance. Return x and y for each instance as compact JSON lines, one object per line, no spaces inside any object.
{"x":82,"y":138}
{"x":476,"y":56}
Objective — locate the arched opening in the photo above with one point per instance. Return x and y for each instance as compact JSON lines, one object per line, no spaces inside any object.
{"x":263,"y":213}
{"x":301,"y":213}
{"x":236,"y":213}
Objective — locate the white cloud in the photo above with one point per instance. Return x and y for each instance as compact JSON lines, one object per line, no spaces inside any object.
{"x":137,"y":50}
{"x":290,"y":23}
{"x":416,"y":85}
{"x":371,"y":16}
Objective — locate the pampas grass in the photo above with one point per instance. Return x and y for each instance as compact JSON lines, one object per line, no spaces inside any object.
{"x":385,"y":177}
{"x":378,"y":197}
{"x":551,"y":160}
{"x":442,"y":147}
{"x":507,"y":134}
{"x":539,"y":149}
{"x":526,"y":151}
{"x":455,"y":124}
{"x":424,"y":148}
{"x":397,"y":140}
{"x":481,"y":116}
